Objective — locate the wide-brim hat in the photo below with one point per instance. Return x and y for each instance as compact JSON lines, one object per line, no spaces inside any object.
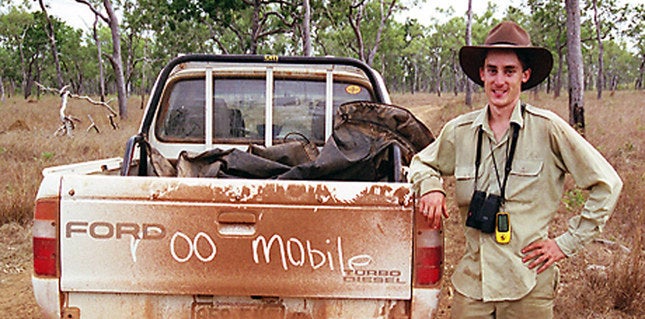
{"x":507,"y":35}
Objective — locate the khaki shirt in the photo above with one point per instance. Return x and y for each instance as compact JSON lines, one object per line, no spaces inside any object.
{"x":547,"y":148}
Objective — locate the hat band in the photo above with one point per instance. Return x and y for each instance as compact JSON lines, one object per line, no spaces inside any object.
{"x":504,"y":44}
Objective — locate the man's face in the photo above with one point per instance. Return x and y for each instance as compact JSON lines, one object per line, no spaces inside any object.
{"x":503,"y":77}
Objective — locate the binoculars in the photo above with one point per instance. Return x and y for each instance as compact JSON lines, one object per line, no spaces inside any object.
{"x":482,"y":210}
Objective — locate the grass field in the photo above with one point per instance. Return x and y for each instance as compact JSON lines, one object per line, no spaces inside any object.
{"x":605,"y":281}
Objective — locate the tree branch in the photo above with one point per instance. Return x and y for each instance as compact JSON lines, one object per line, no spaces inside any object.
{"x":96,"y":12}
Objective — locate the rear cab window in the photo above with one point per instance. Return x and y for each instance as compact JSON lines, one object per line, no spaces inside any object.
{"x":243,"y":103}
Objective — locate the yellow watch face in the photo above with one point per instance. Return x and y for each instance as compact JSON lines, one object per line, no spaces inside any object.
{"x":502,"y":228}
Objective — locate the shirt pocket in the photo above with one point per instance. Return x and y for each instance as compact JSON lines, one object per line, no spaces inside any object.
{"x":464,"y":184}
{"x":523,"y":183}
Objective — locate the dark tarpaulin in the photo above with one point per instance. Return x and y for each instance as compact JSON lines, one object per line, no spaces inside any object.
{"x":360,"y":149}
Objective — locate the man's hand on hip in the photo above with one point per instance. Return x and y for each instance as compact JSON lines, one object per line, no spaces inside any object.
{"x":545,"y":252}
{"x":432,"y":205}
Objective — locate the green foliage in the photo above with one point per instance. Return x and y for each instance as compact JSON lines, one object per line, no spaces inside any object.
{"x":46,"y":156}
{"x":574,"y":199}
{"x":412,"y":56}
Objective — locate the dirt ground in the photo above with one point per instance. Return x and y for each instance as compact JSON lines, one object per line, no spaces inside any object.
{"x":16,"y":295}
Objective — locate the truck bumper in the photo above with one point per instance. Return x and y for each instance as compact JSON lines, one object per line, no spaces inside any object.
{"x":46,"y":292}
{"x":114,"y":305}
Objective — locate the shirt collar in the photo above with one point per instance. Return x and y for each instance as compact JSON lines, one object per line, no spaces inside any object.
{"x":482,"y":119}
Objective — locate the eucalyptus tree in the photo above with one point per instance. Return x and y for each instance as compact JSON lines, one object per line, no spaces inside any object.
{"x":52,"y":42}
{"x":78,"y":62}
{"x":575,"y":66}
{"x":71,"y":54}
{"x":412,"y":57}
{"x":390,"y":57}
{"x":445,"y":43}
{"x":605,"y":13}
{"x":14,"y":26}
{"x":469,"y":41}
{"x":34,"y":50}
{"x":619,"y":68}
{"x":359,"y":25}
{"x":634,"y":16}
{"x":550,"y":17}
{"x":236,"y":26}
{"x":110,"y":17}
{"x":99,"y":57}
{"x":307,"y":49}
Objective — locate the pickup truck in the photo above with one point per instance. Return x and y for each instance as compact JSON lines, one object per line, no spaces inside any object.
{"x":256,"y":187}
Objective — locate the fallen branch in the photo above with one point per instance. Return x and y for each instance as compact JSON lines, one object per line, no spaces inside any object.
{"x":68,"y":120}
{"x":114,"y":124}
{"x":89,"y":99}
{"x":92,"y":125}
{"x":67,"y":127}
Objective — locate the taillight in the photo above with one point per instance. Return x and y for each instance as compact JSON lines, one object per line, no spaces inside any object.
{"x":44,"y":237}
{"x":428,"y":254}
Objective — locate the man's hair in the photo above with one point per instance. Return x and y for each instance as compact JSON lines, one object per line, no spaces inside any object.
{"x":523,"y":56}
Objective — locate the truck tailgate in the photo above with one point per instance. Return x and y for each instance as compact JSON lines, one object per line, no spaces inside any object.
{"x":236,"y":237}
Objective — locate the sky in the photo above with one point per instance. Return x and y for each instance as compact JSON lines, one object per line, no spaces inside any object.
{"x":79,"y":16}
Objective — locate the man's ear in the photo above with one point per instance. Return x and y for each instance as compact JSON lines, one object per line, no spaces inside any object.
{"x":526,"y":75}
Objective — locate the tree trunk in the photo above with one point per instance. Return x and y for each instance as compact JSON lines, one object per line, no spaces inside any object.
{"x":130,"y":64}
{"x":600,"y":80}
{"x":355,"y":22}
{"x":469,"y":41}
{"x":115,"y":58}
{"x":52,"y":41}
{"x":455,"y":75}
{"x":1,"y":90}
{"x":12,"y":88}
{"x":575,"y":65}
{"x":117,"y":62}
{"x":415,"y":77}
{"x":255,"y":27}
{"x":385,"y":15}
{"x":99,"y":54}
{"x":557,"y":85}
{"x":641,"y":74}
{"x":306,"y":28}
{"x":144,"y":67}
{"x":438,"y":73}
{"x":28,"y":81}
{"x":23,"y":67}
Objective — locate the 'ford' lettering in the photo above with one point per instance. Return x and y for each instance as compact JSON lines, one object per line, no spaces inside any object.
{"x":107,"y":230}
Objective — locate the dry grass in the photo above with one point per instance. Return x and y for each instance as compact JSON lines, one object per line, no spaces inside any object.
{"x":604,"y":281}
{"x":28,"y":144}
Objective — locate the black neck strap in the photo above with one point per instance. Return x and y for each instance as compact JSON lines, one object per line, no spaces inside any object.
{"x":509,"y":160}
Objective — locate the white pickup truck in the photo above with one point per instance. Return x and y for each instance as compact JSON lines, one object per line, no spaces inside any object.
{"x":257,"y":187}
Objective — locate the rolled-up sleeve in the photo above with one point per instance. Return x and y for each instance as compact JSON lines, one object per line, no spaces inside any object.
{"x":436,"y":160}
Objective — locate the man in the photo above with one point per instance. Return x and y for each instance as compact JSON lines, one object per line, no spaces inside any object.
{"x":509,"y":160}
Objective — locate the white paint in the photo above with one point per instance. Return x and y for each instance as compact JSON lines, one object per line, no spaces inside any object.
{"x":192,"y":247}
{"x":314,"y":257}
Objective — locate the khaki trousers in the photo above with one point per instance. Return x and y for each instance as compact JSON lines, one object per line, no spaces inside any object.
{"x":538,"y":304}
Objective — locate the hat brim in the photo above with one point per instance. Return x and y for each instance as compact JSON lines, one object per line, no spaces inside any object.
{"x":471,"y":58}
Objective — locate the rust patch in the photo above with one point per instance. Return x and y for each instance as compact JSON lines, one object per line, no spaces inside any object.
{"x":287,"y":193}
